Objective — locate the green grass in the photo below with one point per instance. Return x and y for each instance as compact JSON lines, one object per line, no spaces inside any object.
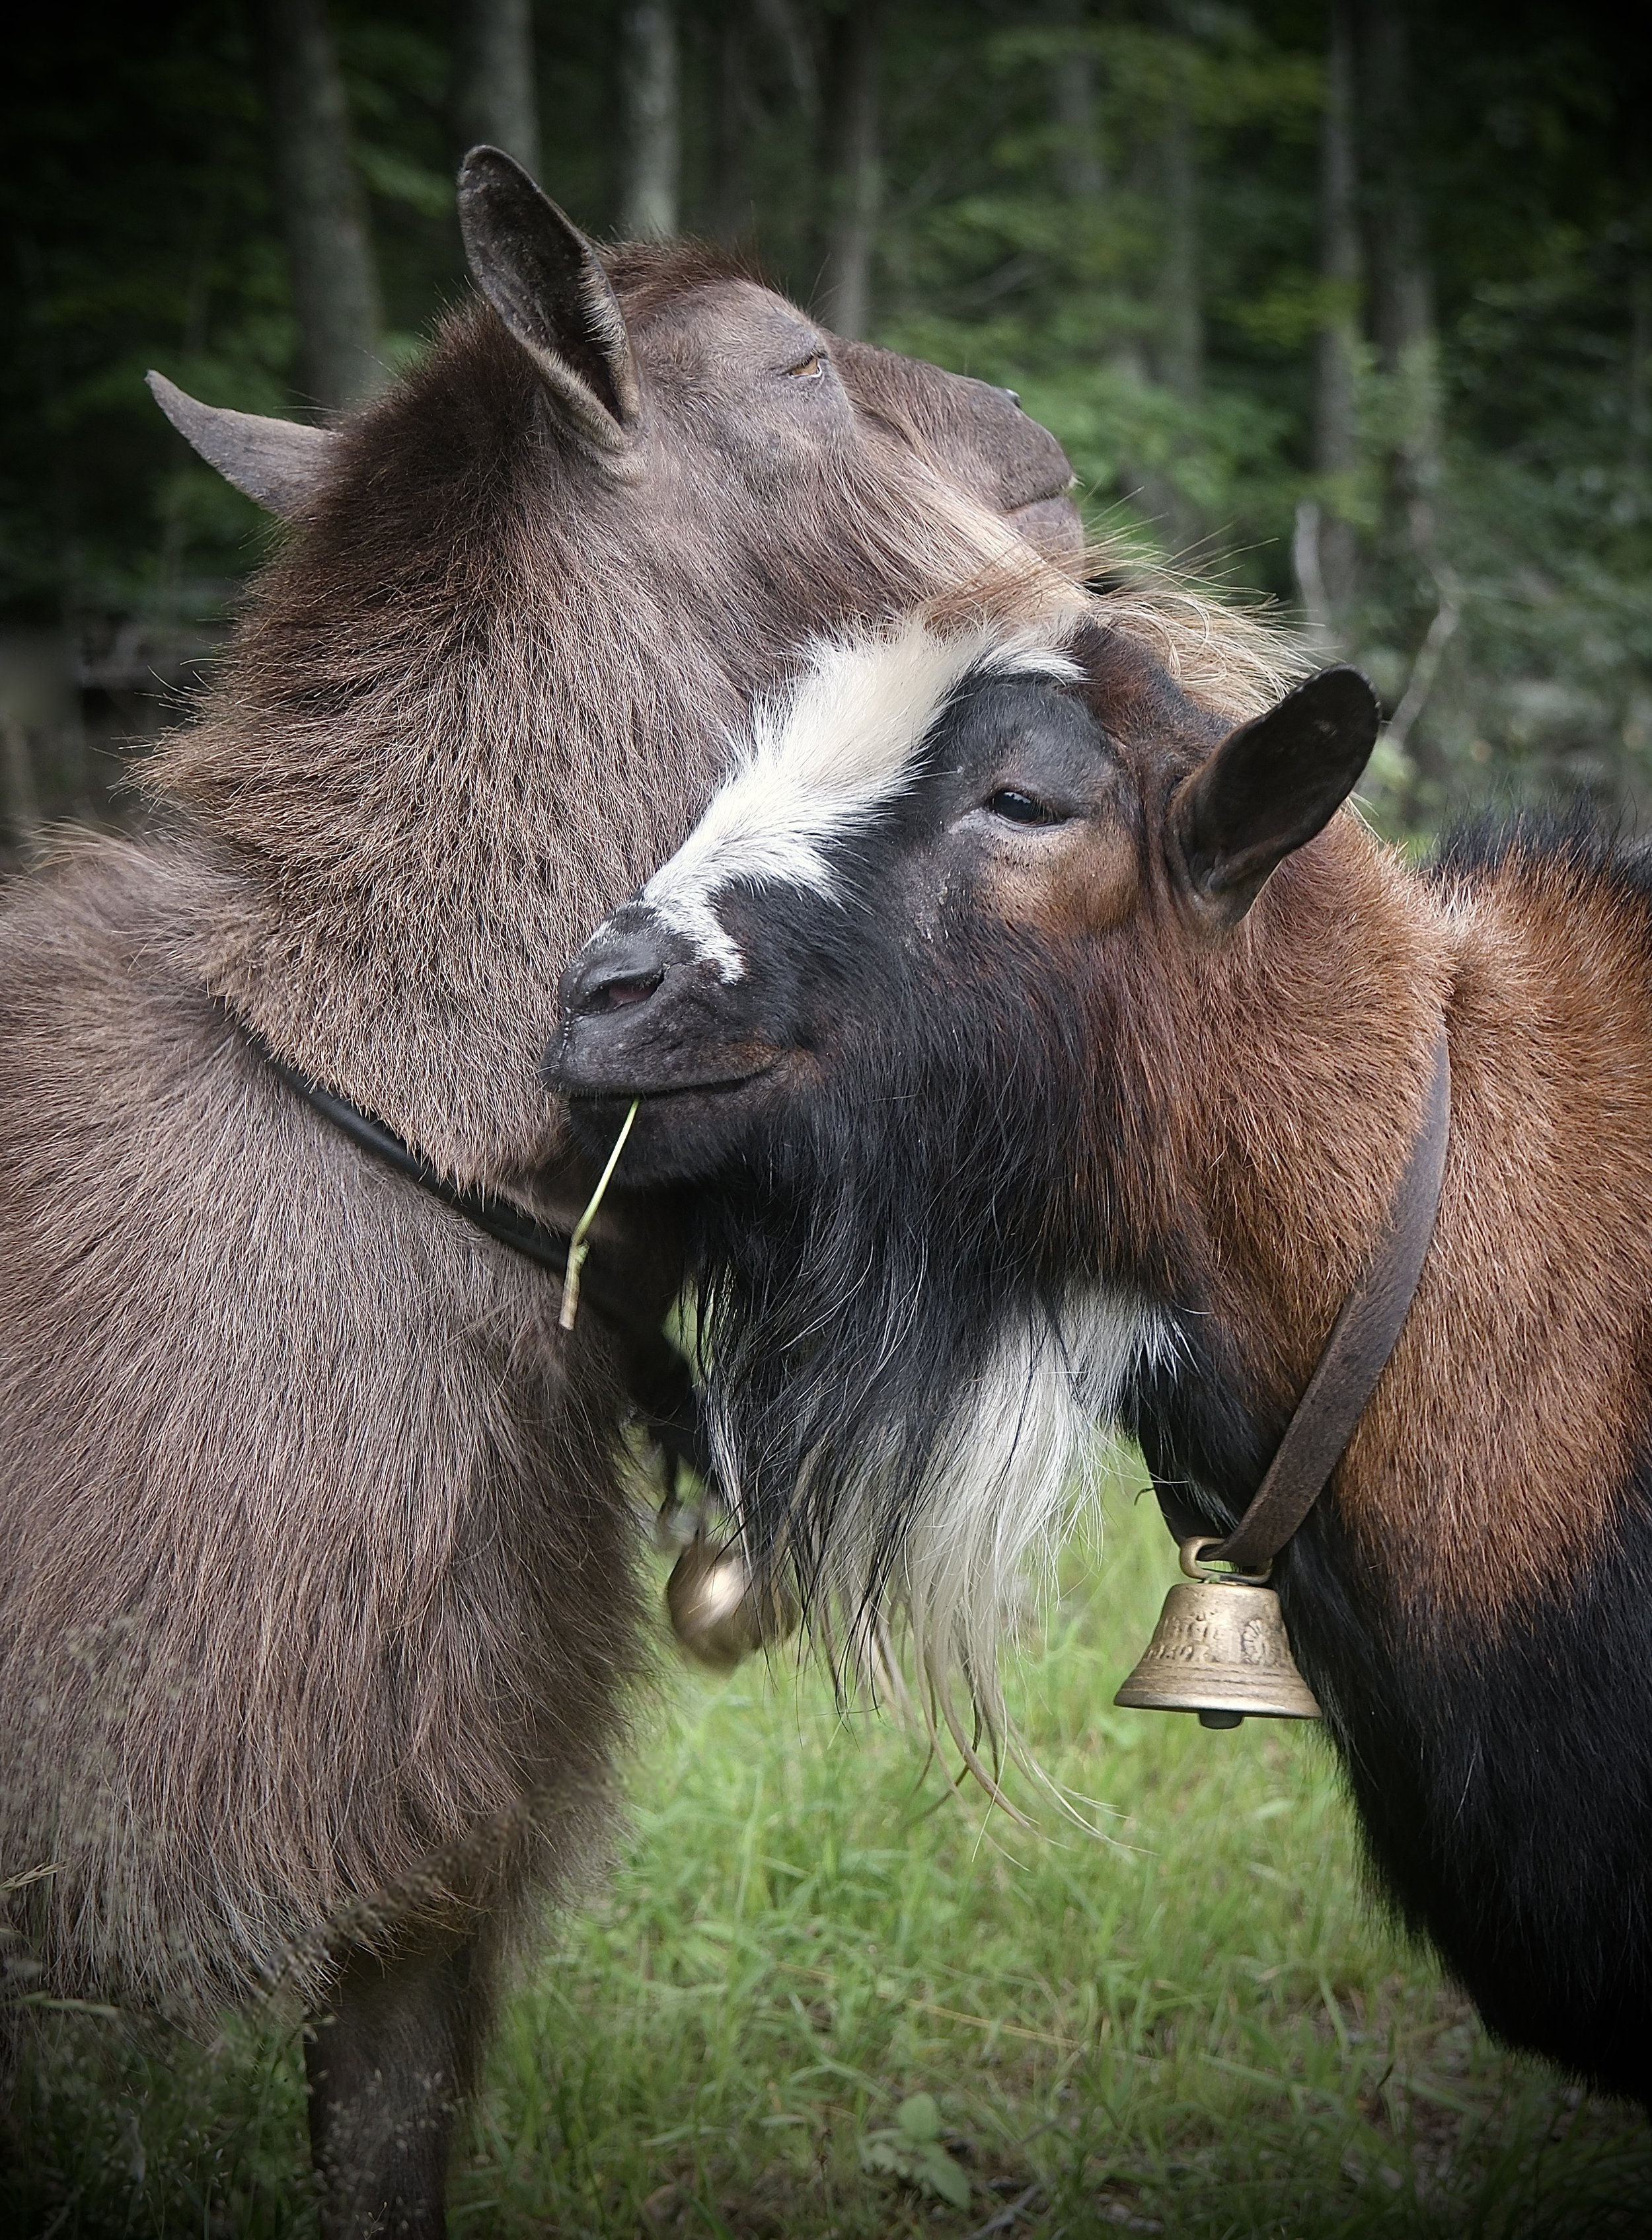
{"x":1195,"y":2027}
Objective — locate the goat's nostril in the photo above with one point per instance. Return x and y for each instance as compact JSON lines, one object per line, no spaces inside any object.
{"x":619,"y":993}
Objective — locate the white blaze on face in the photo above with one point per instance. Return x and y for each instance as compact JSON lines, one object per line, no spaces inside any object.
{"x":820,"y":762}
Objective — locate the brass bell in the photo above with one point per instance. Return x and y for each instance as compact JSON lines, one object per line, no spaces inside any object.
{"x":716,"y":1613}
{"x":1219,"y":1649}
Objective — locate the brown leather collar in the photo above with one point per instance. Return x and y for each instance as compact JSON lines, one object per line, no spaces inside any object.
{"x":1361,"y":1339}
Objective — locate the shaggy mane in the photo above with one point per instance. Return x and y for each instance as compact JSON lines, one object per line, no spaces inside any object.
{"x":1579,"y":841}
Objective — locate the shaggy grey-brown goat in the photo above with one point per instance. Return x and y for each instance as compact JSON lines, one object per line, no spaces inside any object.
{"x":317,"y":1598}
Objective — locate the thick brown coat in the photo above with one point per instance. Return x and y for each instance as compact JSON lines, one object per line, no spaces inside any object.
{"x":1077,"y":1077}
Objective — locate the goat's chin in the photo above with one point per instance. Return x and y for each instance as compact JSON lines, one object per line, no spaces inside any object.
{"x":1053,"y":526}
{"x":680,"y":1134}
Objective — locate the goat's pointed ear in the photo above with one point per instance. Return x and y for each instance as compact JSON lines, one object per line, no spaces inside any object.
{"x":546,"y":283}
{"x":1269,"y":787}
{"x":278,"y":464}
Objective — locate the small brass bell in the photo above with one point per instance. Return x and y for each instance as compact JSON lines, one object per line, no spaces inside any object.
{"x":1219,"y":1649}
{"x":715,"y":1610}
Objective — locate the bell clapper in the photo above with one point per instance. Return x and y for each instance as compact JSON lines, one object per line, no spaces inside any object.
{"x":1219,"y":1649}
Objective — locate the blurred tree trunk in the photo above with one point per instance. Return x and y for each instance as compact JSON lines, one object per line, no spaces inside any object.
{"x":1181,"y":313}
{"x":1640,"y":411}
{"x":323,"y":211}
{"x":1401,"y":297}
{"x":784,"y":23}
{"x":1179,"y":350}
{"x":650,"y":121}
{"x":17,"y":784}
{"x":1402,"y":292}
{"x":732,"y":105}
{"x":851,"y":175}
{"x":1325,"y":549}
{"x":492,"y":98}
{"x":1078,"y":146}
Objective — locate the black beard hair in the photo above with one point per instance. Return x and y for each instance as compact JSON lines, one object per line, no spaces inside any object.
{"x":859,"y":1264}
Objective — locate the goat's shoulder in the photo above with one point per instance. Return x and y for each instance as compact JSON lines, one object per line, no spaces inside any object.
{"x":101,"y":952}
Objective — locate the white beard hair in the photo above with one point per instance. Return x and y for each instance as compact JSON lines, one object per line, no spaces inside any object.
{"x":1026,"y":1445}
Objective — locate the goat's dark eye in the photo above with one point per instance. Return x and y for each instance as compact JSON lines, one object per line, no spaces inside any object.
{"x":1020,"y":808}
{"x":807,"y":369}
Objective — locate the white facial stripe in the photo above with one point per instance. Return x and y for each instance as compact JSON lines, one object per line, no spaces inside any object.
{"x":842,"y":745}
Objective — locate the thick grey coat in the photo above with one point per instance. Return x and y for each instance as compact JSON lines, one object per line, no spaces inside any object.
{"x":318,"y":1591}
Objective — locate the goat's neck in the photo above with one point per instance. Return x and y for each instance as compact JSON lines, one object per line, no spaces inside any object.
{"x":1492,"y":1454}
{"x":394,"y":921}
{"x":1303,"y":1079}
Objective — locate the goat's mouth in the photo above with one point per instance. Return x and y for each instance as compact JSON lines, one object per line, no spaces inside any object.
{"x":684,"y":1131}
{"x":1050,"y":521}
{"x":655,"y":1097}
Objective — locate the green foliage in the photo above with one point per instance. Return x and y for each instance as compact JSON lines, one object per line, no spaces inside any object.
{"x":1021,"y":279}
{"x":911,"y":2149}
{"x":1026,"y":234}
{"x":816,"y":1977}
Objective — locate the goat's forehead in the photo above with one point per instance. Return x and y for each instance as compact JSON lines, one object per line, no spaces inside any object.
{"x":993,"y":713}
{"x":847,"y":740}
{"x":854,"y":729}
{"x":722,"y":316}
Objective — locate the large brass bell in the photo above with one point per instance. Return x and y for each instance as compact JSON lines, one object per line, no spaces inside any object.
{"x":1219,"y":1649}
{"x":717,"y":1611}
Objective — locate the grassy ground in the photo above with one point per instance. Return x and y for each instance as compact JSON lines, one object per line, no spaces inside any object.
{"x":820,"y":1997}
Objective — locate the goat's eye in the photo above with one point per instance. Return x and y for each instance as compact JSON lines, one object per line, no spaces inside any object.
{"x":808,"y":368}
{"x":1020,"y":808}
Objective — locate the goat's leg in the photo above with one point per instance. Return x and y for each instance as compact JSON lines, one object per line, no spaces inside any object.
{"x":389,"y":2067}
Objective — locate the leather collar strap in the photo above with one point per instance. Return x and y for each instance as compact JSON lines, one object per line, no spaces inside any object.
{"x":1362,"y":1340}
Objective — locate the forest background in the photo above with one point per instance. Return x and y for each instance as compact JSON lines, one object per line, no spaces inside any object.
{"x":1345,"y":302}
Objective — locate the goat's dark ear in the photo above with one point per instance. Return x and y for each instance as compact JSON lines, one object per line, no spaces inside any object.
{"x":1270,"y":786}
{"x":546,"y":283}
{"x":279,"y":464}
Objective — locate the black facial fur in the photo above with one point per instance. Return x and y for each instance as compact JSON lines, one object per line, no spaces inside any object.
{"x":910,"y":1041}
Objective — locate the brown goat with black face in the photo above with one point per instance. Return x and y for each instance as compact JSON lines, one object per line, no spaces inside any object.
{"x":1048,"y":1050}
{"x":317,"y":1604}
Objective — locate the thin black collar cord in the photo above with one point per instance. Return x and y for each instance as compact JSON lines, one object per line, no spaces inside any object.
{"x":659,"y":1378}
{"x":506,"y":1224}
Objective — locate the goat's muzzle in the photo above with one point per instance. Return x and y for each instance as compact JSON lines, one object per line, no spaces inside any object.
{"x":643,"y":1016}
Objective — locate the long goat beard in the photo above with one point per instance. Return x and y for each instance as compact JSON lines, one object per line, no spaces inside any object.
{"x":906,"y":1352}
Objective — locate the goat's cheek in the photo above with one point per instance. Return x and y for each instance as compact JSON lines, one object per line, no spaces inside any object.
{"x":1082,"y":885}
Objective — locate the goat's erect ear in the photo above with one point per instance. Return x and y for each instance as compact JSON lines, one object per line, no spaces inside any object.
{"x":1270,"y":786}
{"x":279,"y":464}
{"x":546,"y":282}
